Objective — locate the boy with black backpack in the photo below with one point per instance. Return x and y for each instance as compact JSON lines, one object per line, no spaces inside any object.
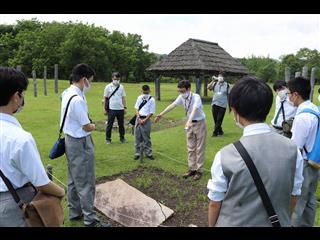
{"x":145,"y":107}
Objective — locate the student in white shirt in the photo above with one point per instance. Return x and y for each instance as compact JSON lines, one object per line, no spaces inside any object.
{"x":19,"y":157}
{"x":117,"y":107}
{"x":284,"y":109}
{"x":304,"y":130}
{"x":143,"y":122}
{"x":80,"y":148}
{"x":234,"y":199}
{"x":195,"y":127}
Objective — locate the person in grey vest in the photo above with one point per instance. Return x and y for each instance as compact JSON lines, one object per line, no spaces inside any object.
{"x":234,"y":199}
{"x":20,"y":160}
{"x":304,"y":130}
{"x":143,"y":122}
{"x":284,"y":108}
{"x":219,"y":104}
{"x":80,"y":148}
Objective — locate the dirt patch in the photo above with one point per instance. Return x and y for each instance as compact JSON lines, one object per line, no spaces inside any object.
{"x":187,"y":198}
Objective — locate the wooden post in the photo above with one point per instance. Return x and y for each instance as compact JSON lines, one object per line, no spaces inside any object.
{"x":312,"y":82}
{"x":205,"y":84}
{"x":157,"y":87}
{"x":305,"y":72}
{"x":297,"y":74}
{"x":198,"y":84}
{"x":19,"y":68}
{"x":34,"y":83}
{"x":56,"y":78}
{"x":45,"y":80}
{"x":287,"y":74}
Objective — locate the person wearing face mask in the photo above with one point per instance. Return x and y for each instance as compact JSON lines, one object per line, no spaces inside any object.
{"x":219,"y":104}
{"x":196,"y":127}
{"x":80,"y":148}
{"x":19,"y":157}
{"x":233,"y":197}
{"x":304,"y":132}
{"x":118,"y":107}
{"x":145,"y":107}
{"x":284,"y":108}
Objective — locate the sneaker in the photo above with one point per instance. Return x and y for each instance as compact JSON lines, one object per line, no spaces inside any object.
{"x":97,"y":223}
{"x":108,"y":141}
{"x":150,"y":157}
{"x":136,"y":157}
{"x":123,"y":140}
{"x":189,"y":173}
{"x":77,"y":218}
{"x":214,"y":135}
{"x":197,"y":176}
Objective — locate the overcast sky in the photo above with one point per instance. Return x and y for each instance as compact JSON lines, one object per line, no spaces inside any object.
{"x":241,"y":35}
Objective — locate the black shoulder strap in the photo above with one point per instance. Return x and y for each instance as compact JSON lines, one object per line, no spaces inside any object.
{"x":114,"y":91}
{"x":214,"y":85}
{"x":65,"y":115}
{"x":144,"y":103}
{"x":11,"y":190}
{"x":273,"y":217}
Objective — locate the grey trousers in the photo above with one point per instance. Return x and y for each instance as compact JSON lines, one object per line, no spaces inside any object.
{"x":81,"y":177}
{"x":305,"y":210}
{"x":142,"y":135}
{"x":10,"y":213}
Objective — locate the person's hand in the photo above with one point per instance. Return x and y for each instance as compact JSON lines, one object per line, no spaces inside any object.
{"x":188,"y":124}
{"x":142,"y":121}
{"x":93,"y":126}
{"x":157,"y":119}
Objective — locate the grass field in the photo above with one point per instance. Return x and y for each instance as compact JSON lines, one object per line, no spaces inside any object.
{"x":41,"y":117}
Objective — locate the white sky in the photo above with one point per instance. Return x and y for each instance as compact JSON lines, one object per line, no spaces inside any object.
{"x":241,"y":35}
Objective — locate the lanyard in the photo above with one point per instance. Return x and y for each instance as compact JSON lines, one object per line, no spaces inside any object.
{"x":185,"y":104}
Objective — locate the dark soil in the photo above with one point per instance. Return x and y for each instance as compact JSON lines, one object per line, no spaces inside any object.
{"x":187,"y":198}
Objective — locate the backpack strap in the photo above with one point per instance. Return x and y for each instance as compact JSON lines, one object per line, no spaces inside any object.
{"x":114,"y":91}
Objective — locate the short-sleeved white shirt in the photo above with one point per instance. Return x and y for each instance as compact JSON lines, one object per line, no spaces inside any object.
{"x":77,"y":115}
{"x":115,"y":102}
{"x":19,"y":157}
{"x":193,"y":100}
{"x":149,"y":107}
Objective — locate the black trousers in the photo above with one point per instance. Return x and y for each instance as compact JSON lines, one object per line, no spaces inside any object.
{"x":112,"y":114}
{"x":218,"y":115}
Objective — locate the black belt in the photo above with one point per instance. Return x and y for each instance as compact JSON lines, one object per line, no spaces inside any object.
{"x":276,"y":127}
{"x":142,"y":117}
{"x":194,"y":121}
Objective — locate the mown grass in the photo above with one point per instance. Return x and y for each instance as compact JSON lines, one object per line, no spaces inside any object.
{"x":41,"y":117}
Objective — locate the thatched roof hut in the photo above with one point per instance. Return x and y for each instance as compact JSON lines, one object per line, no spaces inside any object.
{"x":197,"y":57}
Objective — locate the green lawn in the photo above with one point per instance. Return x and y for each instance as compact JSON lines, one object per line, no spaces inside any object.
{"x":41,"y":117}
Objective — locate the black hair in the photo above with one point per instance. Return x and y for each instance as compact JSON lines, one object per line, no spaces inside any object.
{"x":81,"y":70}
{"x":300,"y":85}
{"x":145,"y":88}
{"x":184,"y":84}
{"x":116,"y":75}
{"x":11,"y":81}
{"x":279,"y":84}
{"x":251,"y":98}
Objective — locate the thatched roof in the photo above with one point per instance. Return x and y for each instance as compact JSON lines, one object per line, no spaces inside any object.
{"x":197,"y":56}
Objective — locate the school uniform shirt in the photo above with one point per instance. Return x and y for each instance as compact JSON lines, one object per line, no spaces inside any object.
{"x":289,"y":111}
{"x":148,"y":108}
{"x":77,"y":115}
{"x":115,"y":102}
{"x":220,"y":97}
{"x":304,"y":127}
{"x":218,"y":185}
{"x":19,"y":157}
{"x":193,"y":100}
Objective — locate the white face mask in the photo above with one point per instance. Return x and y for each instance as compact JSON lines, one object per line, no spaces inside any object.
{"x":85,"y":87}
{"x":238,"y":122}
{"x":282,"y":94}
{"x":220,"y":79}
{"x":20,"y":107}
{"x":116,"y":82}
{"x":319,"y":98}
{"x":145,"y":96}
{"x":184,"y":95}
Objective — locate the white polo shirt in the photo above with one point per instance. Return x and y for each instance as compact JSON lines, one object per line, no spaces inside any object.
{"x":77,"y":115}
{"x":19,"y":157}
{"x":115,"y":102}
{"x":193,"y":100}
{"x":289,"y":111}
{"x":149,"y":107}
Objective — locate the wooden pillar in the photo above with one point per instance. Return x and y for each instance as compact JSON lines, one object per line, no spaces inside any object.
{"x":205,"y":90}
{"x":157,"y":87}
{"x":34,"y":83}
{"x":287,"y":74}
{"x":297,"y":74}
{"x":49,"y":171}
{"x":305,"y":72}
{"x":19,"y":68}
{"x":198,"y":84}
{"x":312,"y":82}
{"x":45,"y":80}
{"x":56,"y":78}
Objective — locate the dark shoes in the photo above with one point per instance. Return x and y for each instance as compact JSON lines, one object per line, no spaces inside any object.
{"x":123,"y":140}
{"x":214,"y":134}
{"x":97,"y":223}
{"x":108,"y":141}
{"x":136,"y":157}
{"x":189,"y":174}
{"x":77,"y":218}
{"x":150,"y":157}
{"x":197,"y":176}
